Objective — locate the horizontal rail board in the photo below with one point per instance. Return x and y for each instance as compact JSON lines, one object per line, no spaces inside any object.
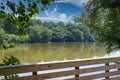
{"x":49,"y":75}
{"x":116,"y":78}
{"x":49,"y":66}
{"x":99,"y":68}
{"x":34,"y":68}
{"x":100,"y":75}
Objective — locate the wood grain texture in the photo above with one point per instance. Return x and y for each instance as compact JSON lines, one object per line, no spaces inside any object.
{"x":34,"y":68}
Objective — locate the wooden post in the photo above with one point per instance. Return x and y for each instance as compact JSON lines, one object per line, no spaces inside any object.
{"x":34,"y":73}
{"x":118,"y":63}
{"x":77,"y":73}
{"x":107,"y":64}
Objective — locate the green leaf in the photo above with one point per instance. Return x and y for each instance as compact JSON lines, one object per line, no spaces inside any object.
{"x":3,"y":7}
{"x":29,"y":0}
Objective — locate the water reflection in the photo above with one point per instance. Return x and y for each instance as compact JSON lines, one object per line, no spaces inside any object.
{"x":37,"y":52}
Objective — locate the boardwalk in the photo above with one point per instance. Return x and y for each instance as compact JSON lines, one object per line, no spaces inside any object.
{"x":90,"y":69}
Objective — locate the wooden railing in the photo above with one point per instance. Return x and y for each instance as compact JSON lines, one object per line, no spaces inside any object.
{"x":90,"y":69}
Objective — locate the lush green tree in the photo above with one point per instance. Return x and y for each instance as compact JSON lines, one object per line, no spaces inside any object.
{"x":50,"y":25}
{"x":59,"y":34}
{"x":11,"y":38}
{"x":46,"y":35}
{"x":19,"y":12}
{"x":23,"y":39}
{"x":5,"y":24}
{"x":39,"y":34}
{"x":68,"y":32}
{"x":50,"y":32}
{"x":2,"y":35}
{"x":104,"y":17}
{"x":34,"y":22}
{"x":74,"y":33}
{"x":62,"y":24}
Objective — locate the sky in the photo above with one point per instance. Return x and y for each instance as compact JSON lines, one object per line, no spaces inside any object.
{"x":62,"y":10}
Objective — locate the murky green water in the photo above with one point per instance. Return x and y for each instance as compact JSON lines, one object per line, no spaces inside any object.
{"x":44,"y":52}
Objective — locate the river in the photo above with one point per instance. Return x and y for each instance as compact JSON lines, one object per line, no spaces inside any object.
{"x":47,"y":52}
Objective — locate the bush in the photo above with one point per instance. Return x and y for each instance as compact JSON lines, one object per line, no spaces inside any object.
{"x":10,"y":60}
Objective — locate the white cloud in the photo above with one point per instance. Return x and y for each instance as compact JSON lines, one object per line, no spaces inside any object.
{"x":56,"y":16}
{"x":75,"y":2}
{"x":46,"y":13}
{"x":63,"y":18}
{"x":62,"y":1}
{"x":54,"y":11}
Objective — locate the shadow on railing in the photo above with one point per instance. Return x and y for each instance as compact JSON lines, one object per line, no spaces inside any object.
{"x":90,"y":69}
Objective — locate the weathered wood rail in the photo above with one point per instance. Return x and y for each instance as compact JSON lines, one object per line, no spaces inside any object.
{"x":103,"y":68}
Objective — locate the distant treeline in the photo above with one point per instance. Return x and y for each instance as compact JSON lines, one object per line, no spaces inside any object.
{"x":48,"y":32}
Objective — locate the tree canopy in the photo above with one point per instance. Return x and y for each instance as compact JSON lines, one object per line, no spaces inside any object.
{"x":39,"y":32}
{"x":19,"y":12}
{"x":104,"y":17}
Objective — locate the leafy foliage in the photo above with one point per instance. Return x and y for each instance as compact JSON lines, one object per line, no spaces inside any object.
{"x":51,"y":32}
{"x":39,"y":34}
{"x":10,"y":60}
{"x":2,"y":35}
{"x":59,"y":34}
{"x":104,"y":17}
{"x":19,"y":12}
